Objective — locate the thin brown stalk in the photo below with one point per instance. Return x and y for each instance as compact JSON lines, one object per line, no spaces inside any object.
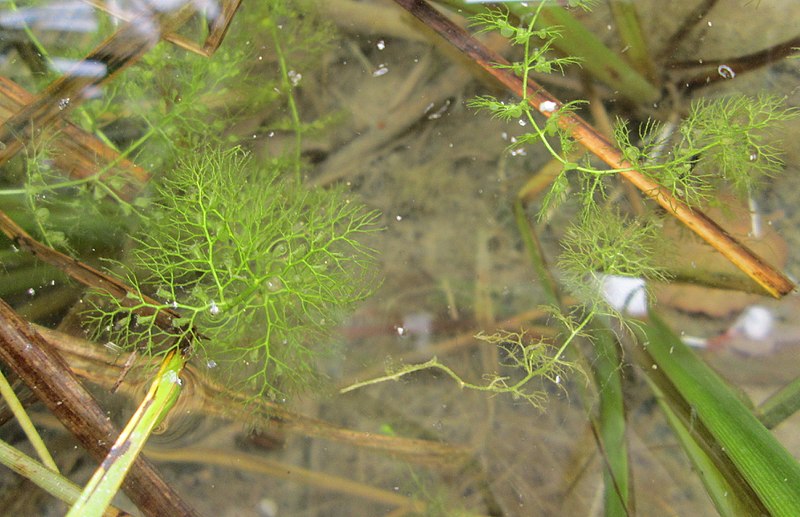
{"x":735,"y":65}
{"x":689,"y":22}
{"x":205,"y":396}
{"x":218,"y":26}
{"x":48,"y":376}
{"x":279,"y":470}
{"x":773,"y":281}
{"x":81,"y":272}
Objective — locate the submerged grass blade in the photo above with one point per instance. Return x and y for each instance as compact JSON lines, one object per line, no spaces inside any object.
{"x":25,"y":423}
{"x":765,"y":465}
{"x":780,"y":405}
{"x":728,"y":501}
{"x":51,"y":482}
{"x":109,"y":476}
{"x":616,"y":472}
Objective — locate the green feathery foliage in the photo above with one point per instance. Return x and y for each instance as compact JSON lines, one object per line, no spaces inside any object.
{"x":727,"y":141}
{"x":261,"y":266}
{"x":722,"y":142}
{"x":527,"y":364}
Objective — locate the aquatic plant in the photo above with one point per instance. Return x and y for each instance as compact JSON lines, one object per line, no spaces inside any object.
{"x":255,"y":262}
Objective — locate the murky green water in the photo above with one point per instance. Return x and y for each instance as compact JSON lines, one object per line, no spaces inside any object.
{"x":359,"y":96}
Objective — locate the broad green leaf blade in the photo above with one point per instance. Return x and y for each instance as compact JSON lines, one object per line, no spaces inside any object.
{"x":772,"y":473}
{"x":728,"y":501}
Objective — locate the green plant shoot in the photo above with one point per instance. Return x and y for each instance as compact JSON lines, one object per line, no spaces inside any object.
{"x":259,"y":264}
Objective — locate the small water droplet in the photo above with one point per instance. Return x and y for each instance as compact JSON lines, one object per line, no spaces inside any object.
{"x":213,"y":309}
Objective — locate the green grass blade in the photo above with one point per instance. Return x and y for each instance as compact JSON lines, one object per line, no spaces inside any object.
{"x":630,"y":32}
{"x":107,"y":479}
{"x":51,"y":482}
{"x":611,"y":423}
{"x":780,"y":405}
{"x":25,"y":423}
{"x":728,"y":500}
{"x":763,"y":463}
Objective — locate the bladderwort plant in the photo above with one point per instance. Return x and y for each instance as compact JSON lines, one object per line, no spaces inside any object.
{"x":722,"y":143}
{"x":257,"y":263}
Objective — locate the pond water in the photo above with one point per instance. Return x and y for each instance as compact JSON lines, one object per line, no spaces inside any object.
{"x":361,"y":97}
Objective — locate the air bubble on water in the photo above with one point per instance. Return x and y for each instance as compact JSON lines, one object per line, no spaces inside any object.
{"x":381,"y":44}
{"x":213,"y":309}
{"x":548,"y":107}
{"x":294,"y":77}
{"x":558,"y":379}
{"x":399,"y":217}
{"x":381,"y":70}
{"x":753,"y":157}
{"x":726,"y":72}
{"x":274,"y":284}
{"x":211,"y":363}
{"x":400,"y":331}
{"x":31,"y":291}
{"x":63,"y":103}
{"x":522,"y":122}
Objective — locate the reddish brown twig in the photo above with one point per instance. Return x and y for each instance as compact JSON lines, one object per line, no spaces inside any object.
{"x":81,"y":272}
{"x":773,"y":281}
{"x":218,"y":26}
{"x":79,"y":154}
